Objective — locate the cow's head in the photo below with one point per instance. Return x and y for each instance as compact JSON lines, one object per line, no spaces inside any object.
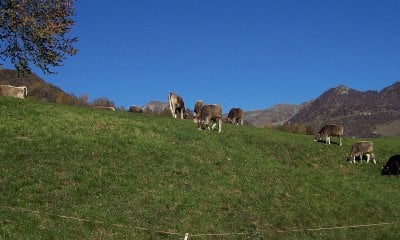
{"x":385,"y":170}
{"x":317,"y":137}
{"x":351,"y":156}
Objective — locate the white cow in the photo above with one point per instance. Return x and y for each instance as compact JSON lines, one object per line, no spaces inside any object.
{"x":361,"y":148}
{"x":19,"y":92}
{"x":176,"y":104}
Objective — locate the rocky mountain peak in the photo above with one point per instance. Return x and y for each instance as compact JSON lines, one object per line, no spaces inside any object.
{"x":342,"y":90}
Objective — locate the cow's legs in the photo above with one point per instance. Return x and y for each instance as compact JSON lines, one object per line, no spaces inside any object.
{"x":207,"y":124}
{"x":219,"y":125}
{"x":172,"y":108}
{"x":328,"y":140}
{"x":368,"y":157}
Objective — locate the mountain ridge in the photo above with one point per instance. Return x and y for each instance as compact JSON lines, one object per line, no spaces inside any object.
{"x":363,"y":114}
{"x":360,"y":112}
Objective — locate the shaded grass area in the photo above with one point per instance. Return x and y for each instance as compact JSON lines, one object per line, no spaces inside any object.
{"x":163,"y":174}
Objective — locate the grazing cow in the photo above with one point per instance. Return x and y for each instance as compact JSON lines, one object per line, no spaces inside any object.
{"x":392,"y":166}
{"x":176,"y":104}
{"x":105,"y":108}
{"x":235,"y":116}
{"x":210,"y":112}
{"x":359,"y":149}
{"x":135,"y":109}
{"x":328,"y":131}
{"x":19,"y":92}
{"x":197,"y":109}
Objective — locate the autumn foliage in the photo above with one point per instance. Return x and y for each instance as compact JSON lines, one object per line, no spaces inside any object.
{"x":36,"y":32}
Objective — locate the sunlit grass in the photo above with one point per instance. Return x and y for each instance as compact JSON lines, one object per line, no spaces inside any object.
{"x":122,"y":171}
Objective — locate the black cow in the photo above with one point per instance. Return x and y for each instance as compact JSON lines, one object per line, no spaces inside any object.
{"x":392,"y":166}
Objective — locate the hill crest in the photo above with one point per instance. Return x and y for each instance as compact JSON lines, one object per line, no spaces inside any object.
{"x":37,"y":88}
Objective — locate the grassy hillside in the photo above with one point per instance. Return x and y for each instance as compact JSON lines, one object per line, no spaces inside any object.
{"x":77,"y":173}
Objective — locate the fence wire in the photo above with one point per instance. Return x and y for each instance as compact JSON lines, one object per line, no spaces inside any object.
{"x":195,"y":235}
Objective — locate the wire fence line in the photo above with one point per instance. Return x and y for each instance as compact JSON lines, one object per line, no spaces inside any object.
{"x":198,"y":235}
{"x":79,"y":219}
{"x":338,"y":227}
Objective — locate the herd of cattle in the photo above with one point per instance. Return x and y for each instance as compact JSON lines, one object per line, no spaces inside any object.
{"x":205,"y":113}
{"x":359,"y":149}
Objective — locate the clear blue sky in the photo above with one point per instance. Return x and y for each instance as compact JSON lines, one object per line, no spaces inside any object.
{"x":249,"y":53}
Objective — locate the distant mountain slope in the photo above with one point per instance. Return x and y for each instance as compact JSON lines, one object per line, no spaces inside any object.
{"x":155,"y":106}
{"x":273,"y":116}
{"x":162,"y":108}
{"x":362,"y":113}
{"x":37,"y":87}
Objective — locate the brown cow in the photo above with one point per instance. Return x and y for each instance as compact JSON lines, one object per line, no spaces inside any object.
{"x":19,"y":92}
{"x":176,"y":104}
{"x":210,"y":112}
{"x":197,"y":109}
{"x":235,"y":116}
{"x":135,"y":109}
{"x":328,"y":131}
{"x":361,"y":148}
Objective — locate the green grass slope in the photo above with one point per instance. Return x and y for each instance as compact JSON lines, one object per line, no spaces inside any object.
{"x":78,"y":173}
